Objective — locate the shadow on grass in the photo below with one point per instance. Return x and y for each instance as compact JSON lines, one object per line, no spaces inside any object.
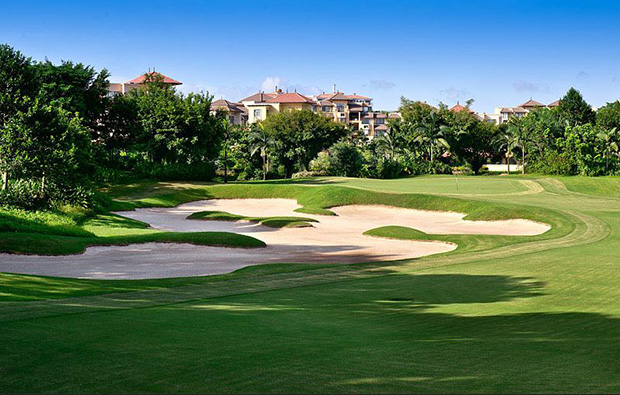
{"x":388,"y":334}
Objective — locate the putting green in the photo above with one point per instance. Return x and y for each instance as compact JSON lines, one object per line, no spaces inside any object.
{"x":533,"y":315}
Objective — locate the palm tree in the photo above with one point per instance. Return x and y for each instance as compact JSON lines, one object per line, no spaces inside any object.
{"x":508,"y":142}
{"x":432,"y":133}
{"x":226,"y":134}
{"x":521,"y":135}
{"x":261,"y":141}
{"x":610,"y":139}
{"x":387,"y":144}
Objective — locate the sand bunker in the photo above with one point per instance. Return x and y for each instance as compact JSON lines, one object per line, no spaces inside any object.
{"x":334,"y":239}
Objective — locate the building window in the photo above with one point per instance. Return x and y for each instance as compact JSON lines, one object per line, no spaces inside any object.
{"x":504,"y":116}
{"x":257,"y":113}
{"x":380,"y":121}
{"x":366,"y":121}
{"x":326,"y":109}
{"x":313,"y":108}
{"x":231,"y":118}
{"x":340,"y":108}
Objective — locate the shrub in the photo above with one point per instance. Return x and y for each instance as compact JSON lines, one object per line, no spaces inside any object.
{"x":311,"y":173}
{"x":321,"y":163}
{"x":346,"y":160}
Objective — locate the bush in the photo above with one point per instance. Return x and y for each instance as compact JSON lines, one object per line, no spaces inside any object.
{"x":30,"y":195}
{"x":390,"y":169}
{"x":321,"y":163}
{"x":346,"y":160}
{"x":311,"y":173}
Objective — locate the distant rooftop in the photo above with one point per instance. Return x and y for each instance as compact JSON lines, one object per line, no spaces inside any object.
{"x":142,"y":78}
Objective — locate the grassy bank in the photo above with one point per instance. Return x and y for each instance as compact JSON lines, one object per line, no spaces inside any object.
{"x":272,"y":222}
{"x":58,"y":233}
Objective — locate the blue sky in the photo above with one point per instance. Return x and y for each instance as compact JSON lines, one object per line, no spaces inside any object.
{"x":496,"y":52}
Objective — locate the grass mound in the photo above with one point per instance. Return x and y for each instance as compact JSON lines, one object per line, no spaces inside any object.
{"x":316,"y":200}
{"x":272,"y":222}
{"x":58,"y":233}
{"x":465,"y":243}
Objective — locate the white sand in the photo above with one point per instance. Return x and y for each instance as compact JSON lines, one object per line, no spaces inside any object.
{"x":334,"y":239}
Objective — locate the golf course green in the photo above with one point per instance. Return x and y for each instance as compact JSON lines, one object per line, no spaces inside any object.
{"x":509,"y":314}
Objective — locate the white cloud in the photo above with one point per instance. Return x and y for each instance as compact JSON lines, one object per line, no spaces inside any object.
{"x":271,"y":82}
{"x":582,"y":75}
{"x":528,"y":86}
{"x":453,"y":93}
{"x":381,"y":84}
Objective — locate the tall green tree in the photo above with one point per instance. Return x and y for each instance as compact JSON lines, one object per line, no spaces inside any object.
{"x":508,"y":143}
{"x":432,"y":134}
{"x":173,"y":128}
{"x":522,"y":136}
{"x":78,"y":88}
{"x":49,"y":144}
{"x":471,"y":140}
{"x":17,"y":80}
{"x":261,"y":142}
{"x":301,"y":135}
{"x":608,"y":116}
{"x":574,"y":110}
{"x":611,"y":144}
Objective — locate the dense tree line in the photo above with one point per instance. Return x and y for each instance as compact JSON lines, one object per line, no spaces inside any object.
{"x":571,"y":139}
{"x":61,"y":135}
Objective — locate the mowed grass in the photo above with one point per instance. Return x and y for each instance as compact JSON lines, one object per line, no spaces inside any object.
{"x":440,"y":184}
{"x":601,"y":186}
{"x":272,"y":222}
{"x":497,"y":315}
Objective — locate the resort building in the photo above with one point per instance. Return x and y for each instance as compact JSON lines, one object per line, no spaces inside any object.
{"x":504,"y":114}
{"x":353,"y":110}
{"x":236,"y":112}
{"x":117,"y":88}
{"x":260,"y":105}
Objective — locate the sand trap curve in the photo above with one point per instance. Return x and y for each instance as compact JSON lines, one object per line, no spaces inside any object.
{"x":334,"y":239}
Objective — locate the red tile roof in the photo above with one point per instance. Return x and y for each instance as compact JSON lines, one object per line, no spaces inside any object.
{"x":290,"y":98}
{"x":225,"y":105}
{"x":532,"y":103}
{"x":554,"y":104}
{"x":257,"y":97}
{"x":142,"y":78}
{"x":358,"y":97}
{"x":458,"y":108}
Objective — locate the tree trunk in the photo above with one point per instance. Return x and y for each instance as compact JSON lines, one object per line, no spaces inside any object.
{"x":508,"y":162}
{"x":431,"y":153}
{"x":264,"y":168}
{"x":5,"y":180}
{"x":523,"y":161}
{"x":225,"y":165}
{"x":606,"y":164}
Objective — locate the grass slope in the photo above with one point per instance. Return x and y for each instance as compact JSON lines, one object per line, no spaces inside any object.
{"x":541,"y":315}
{"x":272,"y":222}
{"x":48,"y":233}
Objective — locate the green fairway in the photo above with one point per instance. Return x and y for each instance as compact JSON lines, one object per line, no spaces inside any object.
{"x":498,"y":314}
